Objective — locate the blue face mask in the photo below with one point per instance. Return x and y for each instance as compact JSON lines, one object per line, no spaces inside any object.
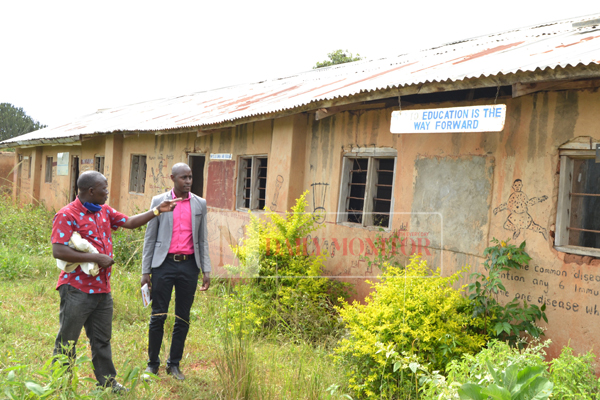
{"x":92,"y":207}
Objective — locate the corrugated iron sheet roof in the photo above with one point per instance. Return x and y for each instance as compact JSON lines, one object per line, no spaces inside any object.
{"x":552,"y":45}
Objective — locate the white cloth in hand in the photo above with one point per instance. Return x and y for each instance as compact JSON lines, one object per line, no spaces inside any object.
{"x":80,"y":244}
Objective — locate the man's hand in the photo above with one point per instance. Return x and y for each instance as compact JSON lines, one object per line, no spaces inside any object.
{"x":146,"y":280}
{"x":168,"y":205}
{"x":205,"y":282}
{"x":141,"y":219}
{"x":104,"y":261}
{"x":65,"y":253}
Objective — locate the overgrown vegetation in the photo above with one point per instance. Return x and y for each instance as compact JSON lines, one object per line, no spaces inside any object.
{"x":272,"y":335}
{"x":573,"y":376}
{"x":412,"y":311}
{"x":61,"y":380}
{"x":506,"y":322}
{"x":512,"y":383}
{"x":24,"y":239}
{"x":573,"y":379}
{"x":285,"y":369}
{"x":284,"y":292}
{"x":128,"y":245}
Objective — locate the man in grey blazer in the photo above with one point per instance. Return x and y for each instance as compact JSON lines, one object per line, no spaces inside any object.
{"x":175,"y":250}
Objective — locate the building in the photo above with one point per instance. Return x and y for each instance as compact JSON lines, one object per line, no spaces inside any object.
{"x":497,"y":139}
{"x":7,"y":164}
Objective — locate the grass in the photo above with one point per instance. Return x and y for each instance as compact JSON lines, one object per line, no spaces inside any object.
{"x":29,"y":322}
{"x":275,"y":368}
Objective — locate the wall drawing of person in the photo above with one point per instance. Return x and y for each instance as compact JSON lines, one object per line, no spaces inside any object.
{"x":518,"y":205}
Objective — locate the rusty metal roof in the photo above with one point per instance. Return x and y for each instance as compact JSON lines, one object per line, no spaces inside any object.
{"x":558,"y":45}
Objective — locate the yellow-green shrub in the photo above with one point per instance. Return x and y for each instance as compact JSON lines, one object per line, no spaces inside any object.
{"x":284,"y":289}
{"x":412,"y":311}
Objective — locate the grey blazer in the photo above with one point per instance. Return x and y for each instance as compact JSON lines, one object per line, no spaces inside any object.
{"x":160,"y":230}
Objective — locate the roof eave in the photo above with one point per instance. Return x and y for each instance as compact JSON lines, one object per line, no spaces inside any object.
{"x":73,"y":140}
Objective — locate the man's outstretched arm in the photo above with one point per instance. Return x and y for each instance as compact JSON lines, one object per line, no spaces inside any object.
{"x":142,"y":219}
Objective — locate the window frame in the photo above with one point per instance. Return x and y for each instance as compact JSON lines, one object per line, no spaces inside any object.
{"x":137,"y":186}
{"x":48,"y":171}
{"x":99,"y":161}
{"x":254,"y":200}
{"x":563,"y":207}
{"x":28,"y":158}
{"x":372,"y":154}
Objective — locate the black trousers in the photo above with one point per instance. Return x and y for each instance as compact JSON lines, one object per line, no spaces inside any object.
{"x":182,"y":275}
{"x":94,"y":312}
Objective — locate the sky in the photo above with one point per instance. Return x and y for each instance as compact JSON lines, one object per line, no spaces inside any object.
{"x":60,"y":60}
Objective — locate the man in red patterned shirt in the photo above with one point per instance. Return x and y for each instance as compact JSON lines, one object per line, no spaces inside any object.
{"x":85,"y":300}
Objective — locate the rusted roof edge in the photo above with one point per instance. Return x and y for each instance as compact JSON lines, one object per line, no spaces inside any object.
{"x":549,"y":74}
{"x":579,"y":71}
{"x":43,"y":142}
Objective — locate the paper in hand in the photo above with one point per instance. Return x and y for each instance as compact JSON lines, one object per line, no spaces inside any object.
{"x":145,"y":295}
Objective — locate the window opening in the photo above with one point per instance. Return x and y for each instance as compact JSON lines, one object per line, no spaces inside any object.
{"x":99,"y":164}
{"x":367,"y":190}
{"x":137,"y":177}
{"x":49,"y":162}
{"x":252,"y":185}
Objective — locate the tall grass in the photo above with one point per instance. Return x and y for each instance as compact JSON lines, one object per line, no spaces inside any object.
{"x":128,"y":245}
{"x":24,"y":240}
{"x":275,"y":367}
{"x":251,"y":365}
{"x":25,"y":229}
{"x":236,"y":365}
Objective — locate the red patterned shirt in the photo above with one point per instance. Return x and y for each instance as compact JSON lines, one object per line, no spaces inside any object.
{"x":96,"y":229}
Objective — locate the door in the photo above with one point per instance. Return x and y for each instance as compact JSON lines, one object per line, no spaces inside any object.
{"x":74,"y":176}
{"x":196,"y":162}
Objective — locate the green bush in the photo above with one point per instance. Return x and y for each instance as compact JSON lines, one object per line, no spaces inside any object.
{"x":510,"y":321}
{"x":412,"y":311}
{"x":283,"y":290}
{"x":473,"y":368}
{"x":512,"y":383}
{"x":62,"y":379}
{"x":574,"y":376}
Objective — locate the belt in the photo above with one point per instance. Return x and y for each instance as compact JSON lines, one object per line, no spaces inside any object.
{"x":179,"y":257}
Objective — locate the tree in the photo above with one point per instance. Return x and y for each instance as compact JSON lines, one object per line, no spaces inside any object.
{"x":338,"y":57}
{"x":14,"y":122}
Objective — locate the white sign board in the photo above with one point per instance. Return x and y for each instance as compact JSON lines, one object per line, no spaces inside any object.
{"x":220,"y":156}
{"x":456,"y":119}
{"x":62,"y":165}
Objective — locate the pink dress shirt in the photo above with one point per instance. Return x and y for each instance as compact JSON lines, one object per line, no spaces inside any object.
{"x":182,"y":241}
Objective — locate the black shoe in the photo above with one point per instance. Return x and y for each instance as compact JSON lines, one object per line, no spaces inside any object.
{"x":173,"y":370}
{"x":149,"y":370}
{"x":118,"y":388}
